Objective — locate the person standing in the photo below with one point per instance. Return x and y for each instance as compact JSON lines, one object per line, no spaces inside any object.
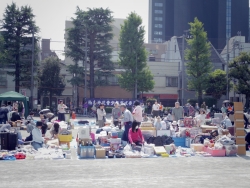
{"x":9,"y":107}
{"x":116,"y":113}
{"x":149,"y":108}
{"x":101,"y":115}
{"x":204,"y":106}
{"x":137,"y":113}
{"x":191,"y":110}
{"x":197,"y":108}
{"x":155,"y":109}
{"x":223,"y":109}
{"x":185,"y":108}
{"x":177,"y":112}
{"x":61,"y":111}
{"x":3,"y":114}
{"x":127,"y":120}
{"x":161,"y":107}
{"x":85,"y":108}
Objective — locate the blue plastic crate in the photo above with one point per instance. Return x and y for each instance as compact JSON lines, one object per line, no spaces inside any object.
{"x":180,"y":141}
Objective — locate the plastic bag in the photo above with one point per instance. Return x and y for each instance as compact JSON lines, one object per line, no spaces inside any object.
{"x":218,"y":145}
{"x":127,"y":148}
{"x":224,"y":140}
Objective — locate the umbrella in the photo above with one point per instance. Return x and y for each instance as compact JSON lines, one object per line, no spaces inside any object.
{"x":226,"y":101}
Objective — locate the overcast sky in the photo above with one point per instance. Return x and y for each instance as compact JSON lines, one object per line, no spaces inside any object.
{"x":51,"y":14}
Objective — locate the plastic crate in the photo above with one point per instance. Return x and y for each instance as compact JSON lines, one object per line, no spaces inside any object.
{"x":179,"y":141}
{"x":216,"y":152}
{"x":89,"y":152}
{"x":65,"y":138}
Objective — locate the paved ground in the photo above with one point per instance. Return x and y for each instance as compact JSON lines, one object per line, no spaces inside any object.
{"x":159,"y":172}
{"x":164,"y":172}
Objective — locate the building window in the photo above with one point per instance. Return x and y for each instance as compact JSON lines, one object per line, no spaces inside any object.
{"x":171,"y":81}
{"x":158,"y":32}
{"x":158,"y":11}
{"x":113,"y":80}
{"x":158,"y":40}
{"x":158,"y":25}
{"x":159,"y":4}
{"x":158,"y":18}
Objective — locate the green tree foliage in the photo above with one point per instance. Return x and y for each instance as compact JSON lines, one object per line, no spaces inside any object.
{"x":97,"y":22}
{"x":133,"y":56}
{"x":240,"y":71}
{"x":198,"y":57}
{"x":18,"y":24}
{"x":217,"y":84}
{"x":2,"y":52}
{"x":51,"y":82}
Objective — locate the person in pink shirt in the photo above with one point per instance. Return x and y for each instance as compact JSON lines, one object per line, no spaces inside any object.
{"x":137,"y":113}
{"x":135,"y":136}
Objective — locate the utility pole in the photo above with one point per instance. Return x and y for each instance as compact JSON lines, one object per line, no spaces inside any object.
{"x":136,"y":76}
{"x":85,"y":67}
{"x":227,"y":68}
{"x":32,"y":72}
{"x":182,"y":71}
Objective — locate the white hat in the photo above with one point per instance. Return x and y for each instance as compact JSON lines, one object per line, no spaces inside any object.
{"x":174,"y":123}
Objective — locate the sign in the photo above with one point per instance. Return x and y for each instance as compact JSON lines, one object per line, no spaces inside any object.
{"x":111,"y":102}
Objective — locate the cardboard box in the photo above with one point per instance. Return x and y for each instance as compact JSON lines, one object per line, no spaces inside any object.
{"x":147,"y":128}
{"x":238,"y":116}
{"x":159,"y":150}
{"x":241,"y":150}
{"x":240,"y":132}
{"x":239,"y":124}
{"x":238,"y":106}
{"x":100,"y":153}
{"x":163,"y":132}
{"x":197,"y":147}
{"x":115,"y":140}
{"x":240,"y":140}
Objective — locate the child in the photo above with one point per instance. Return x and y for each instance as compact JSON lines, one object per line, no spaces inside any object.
{"x":37,"y":136}
{"x":157,"y":123}
{"x":145,"y":118}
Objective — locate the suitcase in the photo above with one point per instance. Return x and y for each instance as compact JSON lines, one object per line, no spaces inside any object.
{"x":4,"y":141}
{"x":12,"y":141}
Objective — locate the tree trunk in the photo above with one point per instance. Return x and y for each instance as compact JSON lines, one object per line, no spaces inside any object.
{"x":50,"y":99}
{"x":199,"y":97}
{"x":17,"y":73}
{"x":91,"y":68}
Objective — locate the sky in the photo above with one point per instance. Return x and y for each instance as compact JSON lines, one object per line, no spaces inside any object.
{"x":51,"y":14}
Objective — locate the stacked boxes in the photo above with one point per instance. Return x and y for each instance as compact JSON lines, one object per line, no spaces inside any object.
{"x":239,"y":128}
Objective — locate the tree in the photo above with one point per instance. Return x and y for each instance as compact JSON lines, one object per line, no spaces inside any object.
{"x":198,"y":57}
{"x":97,"y":23}
{"x":51,"y":83}
{"x":240,"y":71}
{"x":145,"y":81}
{"x":133,"y":56}
{"x":217,"y":84}
{"x":17,"y":28}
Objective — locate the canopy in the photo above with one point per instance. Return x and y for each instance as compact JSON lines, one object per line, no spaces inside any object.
{"x":14,"y":96}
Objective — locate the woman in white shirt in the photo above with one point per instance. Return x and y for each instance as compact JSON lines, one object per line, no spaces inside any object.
{"x":101,"y":115}
{"x":61,"y":111}
{"x":201,"y":117}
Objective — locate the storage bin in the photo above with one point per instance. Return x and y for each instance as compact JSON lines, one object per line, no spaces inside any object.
{"x":65,"y":138}
{"x":216,"y":152}
{"x":197,"y":147}
{"x":179,"y":141}
{"x":87,"y":152}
